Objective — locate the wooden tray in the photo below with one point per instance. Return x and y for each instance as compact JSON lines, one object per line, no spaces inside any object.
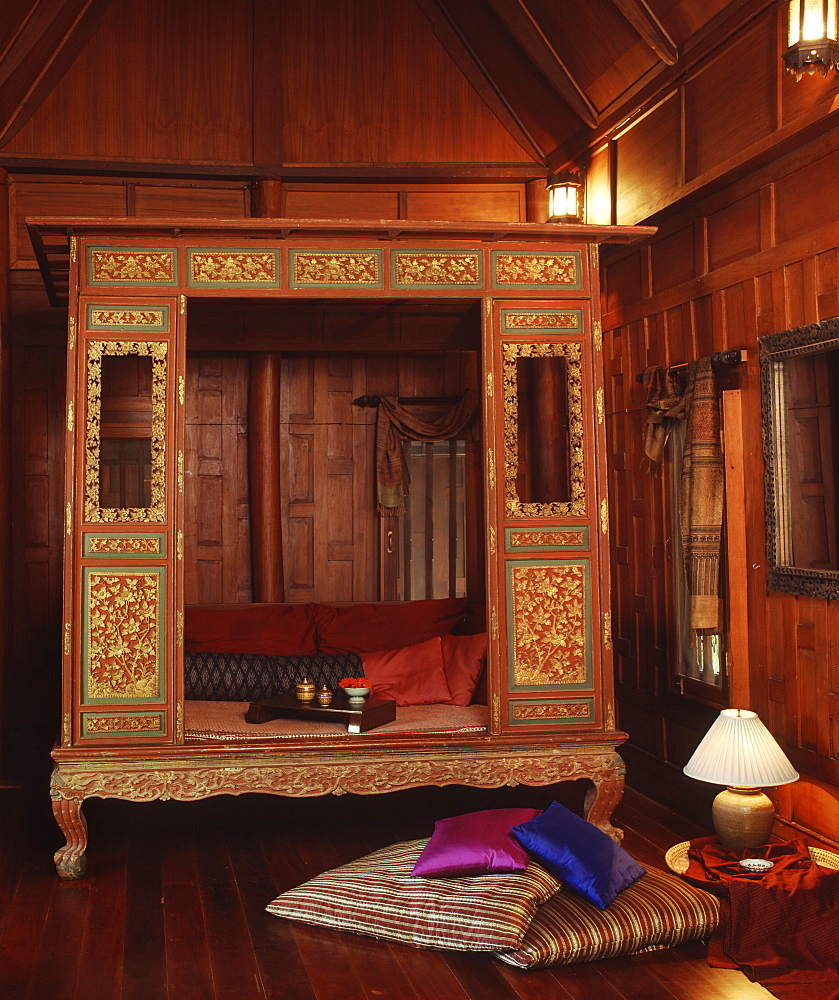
{"x":677,"y":858}
{"x":358,"y":718}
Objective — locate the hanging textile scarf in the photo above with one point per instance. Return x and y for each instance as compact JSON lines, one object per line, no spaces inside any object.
{"x":701,"y":496}
{"x":393,"y":422}
{"x":664,"y":395}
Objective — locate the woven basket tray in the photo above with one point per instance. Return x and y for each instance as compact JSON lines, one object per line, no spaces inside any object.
{"x":677,"y":858}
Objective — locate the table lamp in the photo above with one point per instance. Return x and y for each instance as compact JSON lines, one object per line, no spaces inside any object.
{"x":740,"y":752}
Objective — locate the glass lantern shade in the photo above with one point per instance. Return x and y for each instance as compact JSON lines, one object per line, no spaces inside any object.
{"x":812,"y":39}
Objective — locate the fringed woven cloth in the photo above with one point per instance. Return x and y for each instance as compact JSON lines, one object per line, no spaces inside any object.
{"x":701,"y":496}
{"x":393,"y":422}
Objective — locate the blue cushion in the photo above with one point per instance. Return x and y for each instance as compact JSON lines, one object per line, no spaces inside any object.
{"x":579,"y":854}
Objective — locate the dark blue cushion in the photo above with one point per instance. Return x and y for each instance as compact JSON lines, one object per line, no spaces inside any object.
{"x":579,"y":854}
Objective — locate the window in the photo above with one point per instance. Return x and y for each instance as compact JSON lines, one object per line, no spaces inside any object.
{"x":423,"y":550}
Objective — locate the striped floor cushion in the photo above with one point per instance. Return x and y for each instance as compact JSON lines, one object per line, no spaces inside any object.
{"x":658,"y":911}
{"x":376,"y":896}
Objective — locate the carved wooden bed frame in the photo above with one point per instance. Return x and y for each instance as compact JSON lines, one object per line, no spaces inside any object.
{"x":547,"y":722}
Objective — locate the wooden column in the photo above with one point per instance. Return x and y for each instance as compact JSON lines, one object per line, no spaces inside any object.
{"x":5,"y":470}
{"x":264,"y":474}
{"x":267,"y":198}
{"x":263,"y":439}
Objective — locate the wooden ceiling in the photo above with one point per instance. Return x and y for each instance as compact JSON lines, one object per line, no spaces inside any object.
{"x":556,"y":74}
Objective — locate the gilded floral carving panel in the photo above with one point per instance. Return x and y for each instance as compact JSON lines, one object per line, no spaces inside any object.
{"x":436,"y":269}
{"x":106,"y":317}
{"x":222,"y":268}
{"x":129,"y":266}
{"x":546,"y":538}
{"x":542,"y":320}
{"x":122,"y":724}
{"x":326,"y":268}
{"x":125,"y":545}
{"x":122,"y":645}
{"x":549,"y":615}
{"x":554,"y":711}
{"x":536,"y":269}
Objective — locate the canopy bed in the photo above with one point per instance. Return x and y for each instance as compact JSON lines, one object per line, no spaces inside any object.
{"x":547,"y":715}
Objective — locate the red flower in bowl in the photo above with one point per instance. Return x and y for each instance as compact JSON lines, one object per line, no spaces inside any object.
{"x":354,"y":682}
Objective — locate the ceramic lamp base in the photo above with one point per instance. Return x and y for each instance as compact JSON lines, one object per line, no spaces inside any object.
{"x":743,"y":817}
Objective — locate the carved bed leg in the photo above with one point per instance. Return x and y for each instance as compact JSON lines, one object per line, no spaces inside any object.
{"x":70,"y":862}
{"x":603,"y":797}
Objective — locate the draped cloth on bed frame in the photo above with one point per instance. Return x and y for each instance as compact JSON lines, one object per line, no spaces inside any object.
{"x":393,"y":422}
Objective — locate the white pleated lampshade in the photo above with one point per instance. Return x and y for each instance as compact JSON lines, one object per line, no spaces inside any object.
{"x":739,"y":750}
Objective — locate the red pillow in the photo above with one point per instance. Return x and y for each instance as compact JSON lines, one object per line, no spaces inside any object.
{"x":464,"y":657}
{"x":413,"y":675}
{"x":366,"y":628}
{"x":272,"y":629}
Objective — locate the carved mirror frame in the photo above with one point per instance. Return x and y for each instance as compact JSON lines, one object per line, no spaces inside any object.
{"x":775,"y":350}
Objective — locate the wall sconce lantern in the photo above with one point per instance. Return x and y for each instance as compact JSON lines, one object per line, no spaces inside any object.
{"x":565,"y":197}
{"x":813,"y":40}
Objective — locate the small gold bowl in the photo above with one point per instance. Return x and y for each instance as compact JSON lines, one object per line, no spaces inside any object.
{"x":305,"y":690}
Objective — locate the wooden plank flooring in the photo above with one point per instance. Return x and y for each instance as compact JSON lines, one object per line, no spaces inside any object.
{"x":172,"y":907}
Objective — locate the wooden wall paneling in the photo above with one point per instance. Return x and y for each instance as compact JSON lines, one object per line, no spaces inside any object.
{"x":229,"y":200}
{"x":730,"y":103}
{"x":336,"y":87}
{"x":5,"y":473}
{"x":799,"y":97}
{"x":673,"y":259}
{"x":623,"y":280}
{"x":504,"y":203}
{"x":833,"y":684}
{"x":761,"y":279}
{"x":299,"y":460}
{"x":333,"y":389}
{"x":807,"y":197}
{"x":734,"y":231}
{"x":649,"y":162}
{"x":348,"y":202}
{"x":33,"y":196}
{"x":175,"y":98}
{"x":599,"y":183}
{"x":37,"y":450}
{"x":217,"y":544}
{"x":827,"y":284}
{"x":679,"y":332}
{"x":365,"y":538}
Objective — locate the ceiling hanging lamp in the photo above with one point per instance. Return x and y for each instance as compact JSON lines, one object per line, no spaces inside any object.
{"x":813,"y":41}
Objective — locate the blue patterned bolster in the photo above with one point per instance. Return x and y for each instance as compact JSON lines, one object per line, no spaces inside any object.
{"x":252,"y":676}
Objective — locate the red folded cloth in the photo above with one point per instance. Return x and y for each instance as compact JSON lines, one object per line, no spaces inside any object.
{"x":781,"y":929}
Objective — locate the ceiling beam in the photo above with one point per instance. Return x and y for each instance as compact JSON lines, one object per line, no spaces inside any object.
{"x":49,"y":38}
{"x":479,"y":76}
{"x":650,"y":28}
{"x":518,"y":20}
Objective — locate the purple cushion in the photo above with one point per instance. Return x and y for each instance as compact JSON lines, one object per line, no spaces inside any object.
{"x":579,"y":854}
{"x":477,"y":843}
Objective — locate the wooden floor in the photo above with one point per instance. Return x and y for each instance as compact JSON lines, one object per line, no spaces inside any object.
{"x":173,"y":906}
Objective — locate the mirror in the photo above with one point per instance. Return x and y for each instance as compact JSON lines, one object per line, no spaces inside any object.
{"x":543,"y":430}
{"x":799,"y":371}
{"x":126,"y":410}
